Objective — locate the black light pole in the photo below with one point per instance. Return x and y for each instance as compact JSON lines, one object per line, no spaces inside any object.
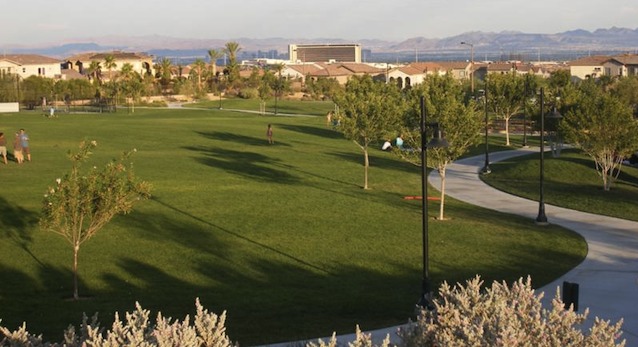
{"x":486,"y":167}
{"x":525,"y":113}
{"x":437,"y":141}
{"x":541,"y":219}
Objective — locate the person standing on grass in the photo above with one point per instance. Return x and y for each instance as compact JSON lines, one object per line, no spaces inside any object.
{"x":17,"y":149}
{"x":24,"y":142}
{"x":269,"y":134}
{"x":3,"y":148}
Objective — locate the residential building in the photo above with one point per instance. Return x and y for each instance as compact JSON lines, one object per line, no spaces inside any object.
{"x":141,"y":63}
{"x":25,"y":65}
{"x":587,"y":67}
{"x":622,"y":65}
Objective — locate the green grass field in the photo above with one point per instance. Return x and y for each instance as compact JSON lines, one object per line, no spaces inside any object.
{"x":282,"y":236}
{"x":570,"y":181}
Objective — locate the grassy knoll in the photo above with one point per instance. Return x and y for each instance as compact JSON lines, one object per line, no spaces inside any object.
{"x":570,"y":181}
{"x":282,"y":236}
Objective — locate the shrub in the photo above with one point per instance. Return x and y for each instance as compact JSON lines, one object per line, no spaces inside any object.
{"x":207,"y":329}
{"x":503,"y":316}
{"x":462,"y":316}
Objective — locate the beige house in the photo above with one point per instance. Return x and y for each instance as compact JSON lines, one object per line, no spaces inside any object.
{"x":587,"y":67}
{"x":141,"y":63}
{"x":342,"y":72}
{"x":25,"y":65}
{"x":622,"y":65}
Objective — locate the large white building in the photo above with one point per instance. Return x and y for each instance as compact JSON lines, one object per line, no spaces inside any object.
{"x":341,"y":53}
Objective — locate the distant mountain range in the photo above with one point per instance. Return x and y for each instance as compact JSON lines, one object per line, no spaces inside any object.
{"x":600,"y":41}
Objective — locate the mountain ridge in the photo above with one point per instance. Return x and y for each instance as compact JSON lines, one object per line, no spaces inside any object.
{"x":603,"y":39}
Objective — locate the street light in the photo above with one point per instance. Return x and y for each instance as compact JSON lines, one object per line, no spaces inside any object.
{"x":471,"y":64}
{"x":486,"y":167}
{"x":525,"y":112}
{"x":437,"y":142}
{"x":541,"y":219}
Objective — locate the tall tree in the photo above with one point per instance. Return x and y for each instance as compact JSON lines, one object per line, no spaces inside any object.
{"x":95,"y":71}
{"x":165,"y":73}
{"x":81,"y":203}
{"x":231,"y":49}
{"x":199,"y":67}
{"x":110,"y":64}
{"x":369,"y":111}
{"x":213,"y":55}
{"x":603,"y":127}
{"x":278,"y":83}
{"x":460,"y":122}
{"x":507,"y":93}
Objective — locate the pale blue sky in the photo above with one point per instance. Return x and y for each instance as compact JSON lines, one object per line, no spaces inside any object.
{"x":35,"y":22}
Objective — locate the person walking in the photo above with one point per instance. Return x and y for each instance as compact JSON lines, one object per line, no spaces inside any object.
{"x":24,"y":142}
{"x":17,"y":149}
{"x":269,"y":134}
{"x":3,"y":147}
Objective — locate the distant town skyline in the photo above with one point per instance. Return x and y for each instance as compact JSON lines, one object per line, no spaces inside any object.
{"x":41,"y":22}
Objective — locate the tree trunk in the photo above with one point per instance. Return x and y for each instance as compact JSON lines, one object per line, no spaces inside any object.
{"x":442,"y":207}
{"x":366,"y":164}
{"x":76,"y":251}
{"x":507,"y":131}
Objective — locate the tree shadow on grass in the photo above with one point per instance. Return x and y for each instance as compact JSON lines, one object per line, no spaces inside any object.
{"x":250,"y":165}
{"x":16,"y":224}
{"x":310,"y":130}
{"x":232,"y":138}
{"x":377,"y":161}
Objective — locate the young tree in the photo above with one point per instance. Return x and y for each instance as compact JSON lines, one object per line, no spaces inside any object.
{"x":507,"y":93}
{"x":82,"y":202}
{"x":460,"y":123}
{"x":603,"y":127}
{"x":369,"y":111}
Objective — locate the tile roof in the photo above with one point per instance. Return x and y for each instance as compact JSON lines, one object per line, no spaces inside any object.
{"x":29,"y":59}
{"x":627,"y":59}
{"x":594,"y":60}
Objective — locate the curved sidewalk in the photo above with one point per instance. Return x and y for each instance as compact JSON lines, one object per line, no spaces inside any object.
{"x":607,"y":278}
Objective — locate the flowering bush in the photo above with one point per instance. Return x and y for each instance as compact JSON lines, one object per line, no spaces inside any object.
{"x":206,"y":330}
{"x":463,"y":316}
{"x":503,"y":316}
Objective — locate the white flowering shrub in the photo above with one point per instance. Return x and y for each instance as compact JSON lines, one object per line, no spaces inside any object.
{"x":463,"y":316}
{"x":504,"y":316}
{"x":206,"y":330}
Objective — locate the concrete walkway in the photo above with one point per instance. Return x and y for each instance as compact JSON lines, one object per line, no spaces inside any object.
{"x":607,"y":278}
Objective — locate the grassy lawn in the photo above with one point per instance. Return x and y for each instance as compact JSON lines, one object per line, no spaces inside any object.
{"x":281,"y":236}
{"x":283,"y":106}
{"x":570,"y":181}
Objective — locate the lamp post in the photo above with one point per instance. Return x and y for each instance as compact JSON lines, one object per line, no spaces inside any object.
{"x":525,"y":112}
{"x":437,"y":141}
{"x":541,"y":219}
{"x":486,"y":167}
{"x":471,"y":64}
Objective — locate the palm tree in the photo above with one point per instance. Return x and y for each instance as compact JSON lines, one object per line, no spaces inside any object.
{"x":214,"y":54}
{"x":198,"y":67}
{"x":94,"y":71}
{"x":109,"y":63}
{"x":279,"y":67}
{"x":165,"y":73}
{"x":231,"y":49}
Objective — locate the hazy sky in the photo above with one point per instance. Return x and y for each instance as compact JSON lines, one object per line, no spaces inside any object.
{"x":34,"y":22}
